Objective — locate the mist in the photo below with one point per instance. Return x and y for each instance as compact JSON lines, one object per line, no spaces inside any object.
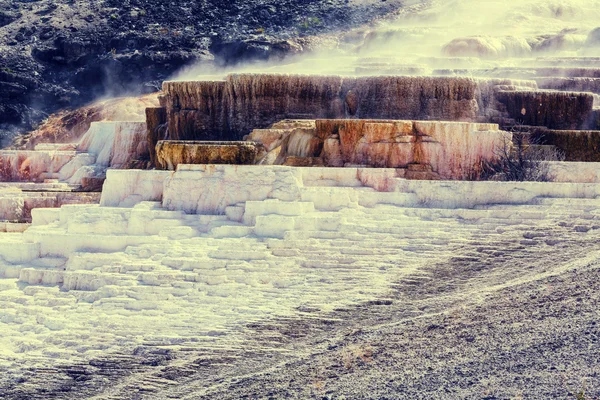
{"x":425,"y":39}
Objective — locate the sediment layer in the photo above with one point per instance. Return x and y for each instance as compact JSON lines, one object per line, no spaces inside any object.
{"x":424,"y":149}
{"x":554,"y":110}
{"x":171,"y":153}
{"x":230,"y":109}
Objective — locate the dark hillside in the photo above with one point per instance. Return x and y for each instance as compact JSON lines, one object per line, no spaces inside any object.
{"x":63,"y":53}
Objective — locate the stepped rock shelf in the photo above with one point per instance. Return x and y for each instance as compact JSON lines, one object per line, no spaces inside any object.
{"x":246,"y":104}
{"x":54,"y":174}
{"x":449,"y":150}
{"x":186,"y":258}
{"x":204,"y":233}
{"x":171,"y":153}
{"x":230,"y":109}
{"x":189,"y":256}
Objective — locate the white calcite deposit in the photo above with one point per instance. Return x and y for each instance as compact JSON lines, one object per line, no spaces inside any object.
{"x":106,"y":144}
{"x":186,"y":257}
{"x":53,"y":174}
{"x":115,"y":143}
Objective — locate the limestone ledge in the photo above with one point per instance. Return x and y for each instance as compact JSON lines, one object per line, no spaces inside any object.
{"x":230,"y":109}
{"x":445,"y":149}
{"x":104,"y":145}
{"x":170,"y":153}
{"x":212,"y":189}
{"x":125,"y":188}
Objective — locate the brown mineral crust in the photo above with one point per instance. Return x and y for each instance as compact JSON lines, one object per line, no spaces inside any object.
{"x":351,"y":103}
{"x":582,"y":146}
{"x":450,"y":150}
{"x":196,"y":110}
{"x":403,"y":97}
{"x":487,"y":94}
{"x":231,"y":109}
{"x":456,"y":150}
{"x":372,"y":142}
{"x":554,"y":110}
{"x":294,"y":161}
{"x":156,"y":123}
{"x":256,"y":101}
{"x":171,"y":153}
{"x":162,"y":101}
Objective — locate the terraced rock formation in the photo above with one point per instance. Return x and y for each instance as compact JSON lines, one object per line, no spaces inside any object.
{"x":180,"y":262}
{"x":227,"y":110}
{"x":356,"y":252}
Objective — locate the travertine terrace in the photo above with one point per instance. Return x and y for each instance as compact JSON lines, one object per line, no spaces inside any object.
{"x":66,"y":173}
{"x":203,"y":237}
{"x":231,"y":108}
{"x":418,"y":149}
{"x":171,"y":153}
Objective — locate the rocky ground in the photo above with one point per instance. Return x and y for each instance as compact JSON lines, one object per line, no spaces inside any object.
{"x":63,"y":53}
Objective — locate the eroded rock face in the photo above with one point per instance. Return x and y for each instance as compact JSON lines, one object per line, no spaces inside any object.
{"x":171,"y":153}
{"x":156,"y":125}
{"x":230,"y":109}
{"x":554,"y":110}
{"x":426,"y":149}
{"x":105,"y":144}
{"x":453,"y":150}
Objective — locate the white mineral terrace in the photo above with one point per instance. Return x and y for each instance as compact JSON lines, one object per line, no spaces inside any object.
{"x":105,"y":144}
{"x":186,"y":258}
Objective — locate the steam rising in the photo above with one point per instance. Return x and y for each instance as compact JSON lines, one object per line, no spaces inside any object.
{"x":450,"y":34}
